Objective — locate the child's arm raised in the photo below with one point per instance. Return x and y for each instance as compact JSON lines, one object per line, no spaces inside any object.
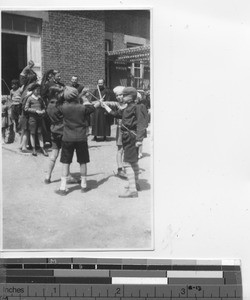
{"x":117,"y":114}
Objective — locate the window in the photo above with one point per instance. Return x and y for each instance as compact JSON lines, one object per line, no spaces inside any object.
{"x":21,"y":24}
{"x":136,"y":69}
{"x":107,"y":45}
{"x":137,"y":72}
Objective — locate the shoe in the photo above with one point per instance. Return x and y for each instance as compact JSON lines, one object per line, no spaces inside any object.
{"x":138,"y":188}
{"x":94,"y":138}
{"x":129,"y":194}
{"x":44,"y":152}
{"x":24,"y":151}
{"x":121,"y":174}
{"x":84,"y":190}
{"x":139,"y":156}
{"x":47,"y":181}
{"x":61,"y":192}
{"x":72,"y":180}
{"x":34,"y":154}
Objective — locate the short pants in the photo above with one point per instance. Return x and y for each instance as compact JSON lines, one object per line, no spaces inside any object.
{"x":35,"y":124}
{"x":129,"y":147}
{"x":82,"y":152}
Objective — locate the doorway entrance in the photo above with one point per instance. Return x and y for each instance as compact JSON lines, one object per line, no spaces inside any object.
{"x":14,"y":58}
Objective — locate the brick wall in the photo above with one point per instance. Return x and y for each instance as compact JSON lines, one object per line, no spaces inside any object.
{"x":73,"y":42}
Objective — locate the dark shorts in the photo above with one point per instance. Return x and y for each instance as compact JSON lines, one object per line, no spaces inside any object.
{"x":82,"y":152}
{"x":35,"y":124}
{"x":16,"y":111}
{"x":130,"y":150}
{"x":56,"y":140}
{"x":23,"y":122}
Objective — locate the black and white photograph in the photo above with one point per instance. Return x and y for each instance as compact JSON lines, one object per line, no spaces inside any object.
{"x":77,"y":133}
{"x":126,"y":137}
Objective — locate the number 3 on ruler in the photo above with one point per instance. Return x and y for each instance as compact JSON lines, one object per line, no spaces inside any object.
{"x":183,"y":291}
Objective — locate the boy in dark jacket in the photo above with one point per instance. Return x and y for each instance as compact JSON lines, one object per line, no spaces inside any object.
{"x":74,"y":136}
{"x":133,"y":129}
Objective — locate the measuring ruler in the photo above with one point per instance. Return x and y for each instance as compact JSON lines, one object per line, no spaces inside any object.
{"x":118,"y":279}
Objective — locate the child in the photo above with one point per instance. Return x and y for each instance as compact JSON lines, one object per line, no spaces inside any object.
{"x":16,"y":106}
{"x":74,"y":137}
{"x":5,"y":122}
{"x":28,"y":75}
{"x":36,"y":110}
{"x":119,"y":155}
{"x":56,"y":118}
{"x":133,"y":124}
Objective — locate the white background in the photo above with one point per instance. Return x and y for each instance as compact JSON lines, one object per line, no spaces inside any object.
{"x":201,"y":75}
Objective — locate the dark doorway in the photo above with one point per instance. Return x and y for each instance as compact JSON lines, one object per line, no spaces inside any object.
{"x":14,"y":58}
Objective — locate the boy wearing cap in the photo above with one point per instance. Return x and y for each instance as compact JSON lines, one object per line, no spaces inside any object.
{"x":74,"y":136}
{"x":35,"y":108}
{"x":133,"y":128}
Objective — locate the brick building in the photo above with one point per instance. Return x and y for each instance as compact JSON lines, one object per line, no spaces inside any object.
{"x":79,"y":43}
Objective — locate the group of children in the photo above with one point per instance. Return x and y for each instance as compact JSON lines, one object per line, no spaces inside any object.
{"x":68,"y":112}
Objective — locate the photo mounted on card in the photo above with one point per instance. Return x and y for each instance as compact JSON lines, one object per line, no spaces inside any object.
{"x":77,"y":159}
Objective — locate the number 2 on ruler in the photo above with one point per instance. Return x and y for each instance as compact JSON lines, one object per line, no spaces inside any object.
{"x":117,"y":292}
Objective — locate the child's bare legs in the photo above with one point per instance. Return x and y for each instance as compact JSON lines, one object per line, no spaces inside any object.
{"x":119,"y":156}
{"x":33,"y":144}
{"x":83,"y":172}
{"x":24,"y":139}
{"x":140,"y":151}
{"x":135,"y":168}
{"x":119,"y":160}
{"x":65,"y":174}
{"x":131,"y":192}
{"x":3,"y":135}
{"x":52,"y":162}
{"x":41,"y":144}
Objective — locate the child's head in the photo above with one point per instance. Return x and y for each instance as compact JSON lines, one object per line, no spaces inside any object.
{"x":129,"y":94}
{"x":55,"y":91}
{"x":118,"y":93}
{"x":35,"y":88}
{"x":70,"y":94}
{"x":4,"y":100}
{"x":57,"y":76}
{"x":84,"y":95}
{"x":14,"y":84}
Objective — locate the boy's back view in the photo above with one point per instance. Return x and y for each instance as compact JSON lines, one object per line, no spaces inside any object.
{"x":74,"y":137}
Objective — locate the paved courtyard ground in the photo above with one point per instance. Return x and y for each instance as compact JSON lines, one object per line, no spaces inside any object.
{"x":35,"y":217}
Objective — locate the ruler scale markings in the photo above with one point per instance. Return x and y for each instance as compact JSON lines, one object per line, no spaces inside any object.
{"x":230,"y":286}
